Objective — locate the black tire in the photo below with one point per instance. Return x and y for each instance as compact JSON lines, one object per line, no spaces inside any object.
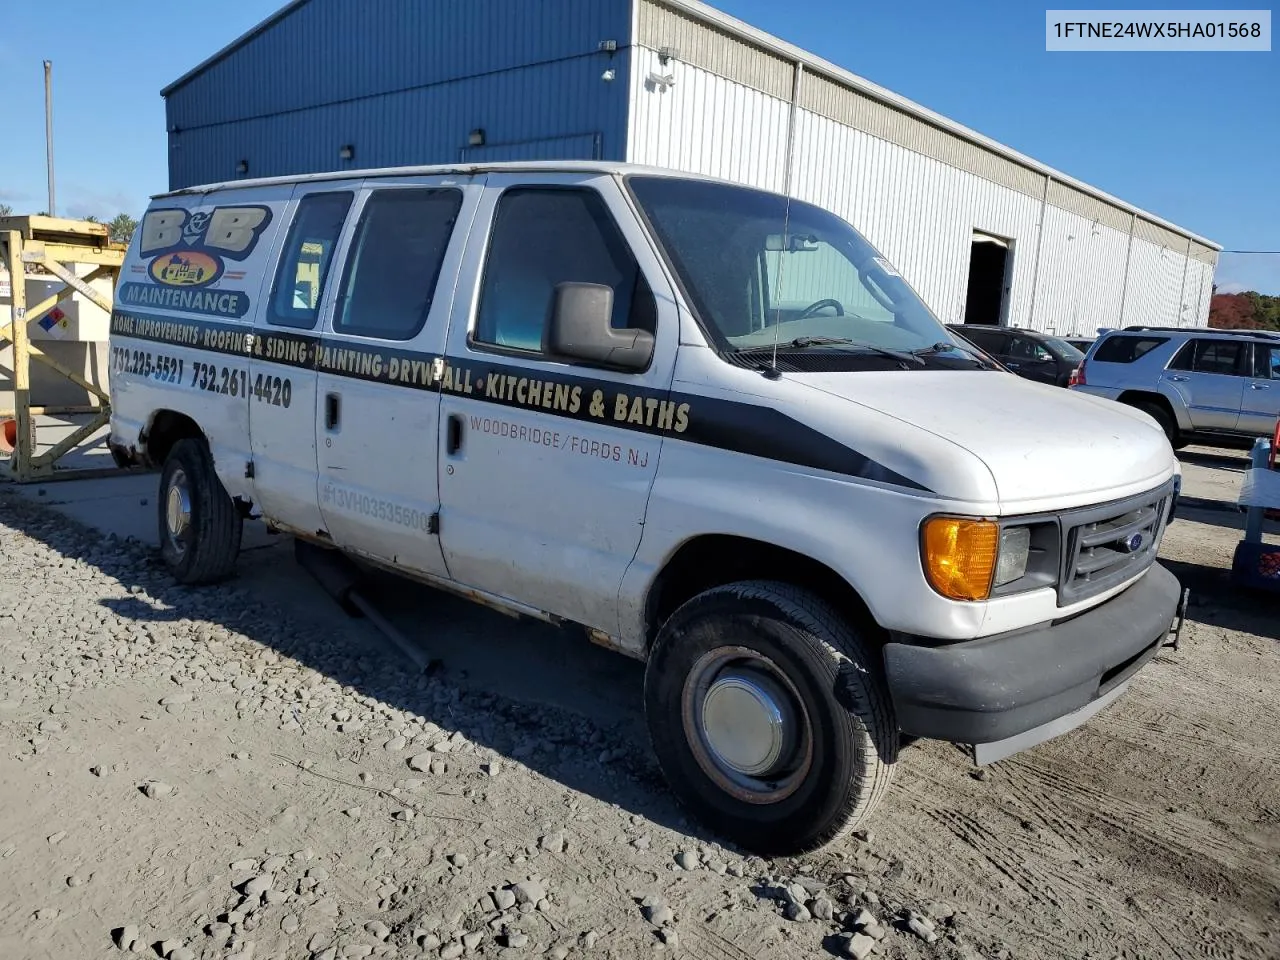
{"x":817,"y":663}
{"x":205,"y":550}
{"x":1162,"y":416}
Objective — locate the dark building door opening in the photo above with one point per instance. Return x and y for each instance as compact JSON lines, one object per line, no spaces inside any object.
{"x":989,"y":261}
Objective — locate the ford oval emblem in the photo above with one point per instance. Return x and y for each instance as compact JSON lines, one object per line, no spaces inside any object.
{"x":1132,"y":544}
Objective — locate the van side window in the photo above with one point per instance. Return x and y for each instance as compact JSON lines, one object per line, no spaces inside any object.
{"x":304,"y":265}
{"x":546,"y":236}
{"x":395,"y":262}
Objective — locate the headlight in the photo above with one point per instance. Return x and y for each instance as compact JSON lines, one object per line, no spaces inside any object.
{"x":1011,"y":561}
{"x":966,"y":559}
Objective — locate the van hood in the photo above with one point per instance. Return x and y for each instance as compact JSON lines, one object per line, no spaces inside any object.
{"x":1046,"y":447}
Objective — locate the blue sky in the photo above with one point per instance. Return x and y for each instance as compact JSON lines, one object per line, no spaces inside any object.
{"x":1192,"y":137}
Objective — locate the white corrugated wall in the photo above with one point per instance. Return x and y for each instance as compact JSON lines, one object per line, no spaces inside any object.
{"x":919,"y":210}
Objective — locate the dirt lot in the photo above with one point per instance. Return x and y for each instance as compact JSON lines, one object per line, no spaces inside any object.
{"x":245,"y":773}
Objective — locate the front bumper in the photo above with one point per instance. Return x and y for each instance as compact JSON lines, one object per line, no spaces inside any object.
{"x":1043,"y":678}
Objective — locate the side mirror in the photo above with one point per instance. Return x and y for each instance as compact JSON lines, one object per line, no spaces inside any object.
{"x":580,"y":329}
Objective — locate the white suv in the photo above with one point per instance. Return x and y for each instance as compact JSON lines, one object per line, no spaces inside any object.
{"x":1215,"y":387}
{"x":711,"y":426}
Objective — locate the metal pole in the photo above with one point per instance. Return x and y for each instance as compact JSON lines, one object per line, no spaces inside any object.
{"x":48,"y":129}
{"x":1254,"y":514}
{"x":1035,"y":267}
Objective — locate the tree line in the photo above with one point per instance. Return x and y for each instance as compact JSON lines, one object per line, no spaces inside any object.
{"x":1244,"y":311}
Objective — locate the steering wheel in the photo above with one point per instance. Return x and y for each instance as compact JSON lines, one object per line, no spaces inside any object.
{"x":819,"y":305}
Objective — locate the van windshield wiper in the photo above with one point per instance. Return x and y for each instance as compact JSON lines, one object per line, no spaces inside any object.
{"x":900,"y":356}
{"x":942,"y":346}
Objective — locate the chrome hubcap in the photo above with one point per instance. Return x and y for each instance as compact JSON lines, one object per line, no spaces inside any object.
{"x":177,"y":512}
{"x":747,"y":725}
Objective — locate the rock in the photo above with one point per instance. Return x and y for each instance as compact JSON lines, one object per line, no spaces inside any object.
{"x":353,"y":951}
{"x":717,"y":867}
{"x":218,"y":932}
{"x":821,"y":908}
{"x":588,"y":940}
{"x":687,"y":860}
{"x":382,"y":853}
{"x":74,"y":881}
{"x":504,"y":899}
{"x":492,"y":768}
{"x":439,"y":768}
{"x":352,"y":812}
{"x":736,"y":870}
{"x":258,"y":885}
{"x":552,"y":842}
{"x":317,"y":942}
{"x":126,"y":936}
{"x":155,"y":789}
{"x":329,"y":953}
{"x":451,"y":951}
{"x":516,"y":940}
{"x":272,"y":864}
{"x":472,"y":940}
{"x":98,"y":770}
{"x":659,"y":914}
{"x":940,"y":911}
{"x":290,"y":924}
{"x":394,"y":744}
{"x":920,"y":926}
{"x":459,"y":859}
{"x":529,"y":891}
{"x":797,"y":912}
{"x":46,"y":913}
{"x":441,"y":746}
{"x":795,"y":894}
{"x":857,"y":946}
{"x":404,"y":814}
{"x":669,"y":937}
{"x":378,"y":929}
{"x":183,"y":953}
{"x":56,"y":838}
{"x":420,"y":762}
{"x":244,"y":866}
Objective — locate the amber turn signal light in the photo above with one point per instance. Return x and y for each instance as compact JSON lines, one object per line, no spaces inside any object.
{"x":959,"y":556}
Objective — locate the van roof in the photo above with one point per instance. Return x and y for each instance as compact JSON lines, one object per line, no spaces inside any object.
{"x":457,"y":169}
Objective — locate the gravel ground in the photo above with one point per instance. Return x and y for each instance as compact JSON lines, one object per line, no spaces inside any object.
{"x":241,"y":772}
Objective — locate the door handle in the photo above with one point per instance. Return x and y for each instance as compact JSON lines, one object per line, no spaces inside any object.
{"x":331,"y":410}
{"x":453,"y":430}
{"x":1178,"y":379}
{"x":1259,"y":386}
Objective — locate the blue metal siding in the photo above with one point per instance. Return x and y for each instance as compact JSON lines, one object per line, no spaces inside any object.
{"x":560,"y":110}
{"x":405,"y":81}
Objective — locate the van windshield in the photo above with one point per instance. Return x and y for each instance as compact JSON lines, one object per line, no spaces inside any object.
{"x":758,"y":273}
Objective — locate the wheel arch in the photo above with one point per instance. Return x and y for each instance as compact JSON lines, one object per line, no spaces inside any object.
{"x":713,"y":560}
{"x":163,"y":430}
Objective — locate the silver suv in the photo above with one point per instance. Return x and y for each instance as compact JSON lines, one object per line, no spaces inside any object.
{"x":1216,"y":387}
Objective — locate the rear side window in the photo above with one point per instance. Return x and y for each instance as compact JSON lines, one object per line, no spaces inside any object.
{"x":988,"y":340}
{"x":1211,"y":356}
{"x":1126,"y":349}
{"x":304,"y":265}
{"x":395,"y":262}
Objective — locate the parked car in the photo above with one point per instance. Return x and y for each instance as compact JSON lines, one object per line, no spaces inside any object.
{"x":578,"y":392}
{"x":1028,"y":353}
{"x":1202,"y":385}
{"x":1080,"y":343}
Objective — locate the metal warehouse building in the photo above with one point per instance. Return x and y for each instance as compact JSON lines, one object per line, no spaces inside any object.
{"x":985,"y":234}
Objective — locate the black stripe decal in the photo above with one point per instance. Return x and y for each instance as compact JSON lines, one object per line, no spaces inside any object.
{"x":747,"y":428}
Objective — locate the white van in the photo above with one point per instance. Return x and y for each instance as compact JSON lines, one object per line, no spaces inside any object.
{"x":711,"y":425}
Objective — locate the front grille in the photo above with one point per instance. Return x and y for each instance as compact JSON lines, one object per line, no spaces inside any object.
{"x":1106,"y":545}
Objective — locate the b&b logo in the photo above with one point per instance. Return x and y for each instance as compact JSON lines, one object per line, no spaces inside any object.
{"x":190,"y":249}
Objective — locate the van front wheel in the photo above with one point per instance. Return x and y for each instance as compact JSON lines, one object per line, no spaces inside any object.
{"x":769,"y":716}
{"x":199,"y":524}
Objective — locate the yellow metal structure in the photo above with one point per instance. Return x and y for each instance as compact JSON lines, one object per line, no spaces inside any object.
{"x":31,"y":246}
